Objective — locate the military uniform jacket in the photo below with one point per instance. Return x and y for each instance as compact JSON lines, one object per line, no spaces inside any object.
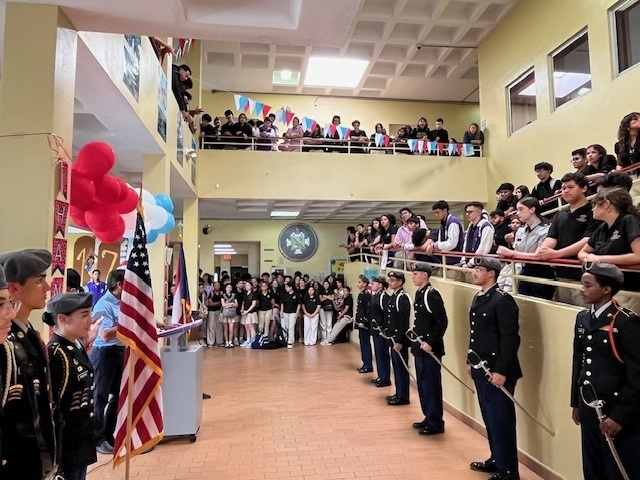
{"x":29,"y":445}
{"x":594,"y":361}
{"x":377,"y":309}
{"x":7,"y":380}
{"x":430,"y":321}
{"x":493,"y":319}
{"x":72,"y":385}
{"x":396,"y":318}
{"x":362,"y":308}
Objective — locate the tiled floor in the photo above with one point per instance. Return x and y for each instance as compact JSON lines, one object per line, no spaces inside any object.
{"x":305,"y":413}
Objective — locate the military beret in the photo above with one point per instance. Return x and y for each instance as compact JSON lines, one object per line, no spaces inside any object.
{"x":422,"y":267}
{"x":22,"y":264}
{"x":381,"y":280}
{"x":396,"y":275}
{"x":604,"y":270}
{"x":364,"y":279}
{"x":69,"y":302}
{"x":489,"y":263}
{"x":3,"y":279}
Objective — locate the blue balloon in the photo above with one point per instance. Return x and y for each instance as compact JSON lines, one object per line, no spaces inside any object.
{"x":152,"y":236}
{"x":164,"y":200}
{"x":167,"y":227}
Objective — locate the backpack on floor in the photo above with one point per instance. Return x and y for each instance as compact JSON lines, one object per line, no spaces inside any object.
{"x":264,"y":342}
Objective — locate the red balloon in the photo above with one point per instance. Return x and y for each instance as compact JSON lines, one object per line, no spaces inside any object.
{"x":95,"y":159}
{"x":101,"y":218}
{"x":129,"y":204}
{"x":77,"y":217}
{"x":107,"y":190}
{"x":113,"y":234}
{"x":124,"y":189}
{"x":82,"y":190}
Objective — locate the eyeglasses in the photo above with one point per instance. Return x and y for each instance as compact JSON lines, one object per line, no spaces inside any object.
{"x":469,"y":212}
{"x":9,"y":305}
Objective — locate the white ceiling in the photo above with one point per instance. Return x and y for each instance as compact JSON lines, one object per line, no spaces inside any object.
{"x":245,"y":40}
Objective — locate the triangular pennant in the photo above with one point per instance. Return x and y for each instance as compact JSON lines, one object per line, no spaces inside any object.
{"x":433,"y":146}
{"x":332,"y":129}
{"x":252,"y":106}
{"x":452,"y":148}
{"x":237,"y":100}
{"x":343,"y":132}
{"x":378,"y":139}
{"x":459,"y":148}
{"x":265,"y":110}
{"x":306,"y":123}
{"x":289,"y":117}
{"x":313,"y":125}
{"x":259,"y":107}
{"x":244,"y":104}
{"x":385,"y":140}
{"x":413,"y":143}
{"x":467,"y":149}
{"x":421,"y":146}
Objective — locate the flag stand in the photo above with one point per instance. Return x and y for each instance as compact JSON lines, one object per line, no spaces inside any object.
{"x":129,"y":442}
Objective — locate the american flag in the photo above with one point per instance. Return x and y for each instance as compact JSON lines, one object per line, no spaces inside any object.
{"x":137,"y":330}
{"x":181,"y":310}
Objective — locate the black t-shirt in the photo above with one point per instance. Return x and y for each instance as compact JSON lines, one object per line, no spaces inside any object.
{"x":617,"y":241}
{"x":605,"y":165}
{"x":422,"y":133}
{"x":264,"y":301}
{"x":311,"y":303}
{"x":348,"y":302}
{"x":247,"y":300}
{"x":442,"y":135}
{"x":290,"y":301}
{"x":214,"y":298}
{"x":568,"y":228}
{"x":628,"y":155}
{"x":238,"y":129}
{"x":240,"y":299}
{"x":546,"y":189}
{"x":386,"y":234}
{"x":500,"y":231}
{"x":228,"y":127}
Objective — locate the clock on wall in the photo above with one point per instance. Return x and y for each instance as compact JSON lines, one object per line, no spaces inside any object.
{"x":298,"y":242}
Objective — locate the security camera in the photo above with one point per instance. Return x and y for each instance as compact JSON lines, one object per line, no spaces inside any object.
{"x":206,"y":229}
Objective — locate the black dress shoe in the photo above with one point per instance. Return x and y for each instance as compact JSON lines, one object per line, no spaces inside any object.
{"x":383,"y":384}
{"x":391,"y":397}
{"x":376,"y":380}
{"x":399,"y":401}
{"x":486,"y":466}
{"x":431,"y":430}
{"x":421,"y":424}
{"x":505,"y":476}
{"x":365,"y":370}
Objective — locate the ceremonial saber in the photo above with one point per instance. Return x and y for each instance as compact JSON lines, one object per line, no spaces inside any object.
{"x":415,"y":338}
{"x":392,"y":338}
{"x":598,"y":406}
{"x":482,"y":365}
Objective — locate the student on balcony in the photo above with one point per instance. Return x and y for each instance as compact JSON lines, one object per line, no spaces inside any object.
{"x":475,"y":137}
{"x":358,"y":138}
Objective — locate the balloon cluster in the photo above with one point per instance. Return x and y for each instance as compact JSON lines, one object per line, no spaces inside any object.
{"x":107,"y":205}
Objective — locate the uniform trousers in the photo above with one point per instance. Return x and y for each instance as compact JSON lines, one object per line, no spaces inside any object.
{"x":214,"y":328}
{"x":310,"y":330}
{"x":597,"y":460}
{"x":289,"y":325}
{"x":264,"y":320}
{"x":400,"y":373}
{"x":429,"y":376}
{"x":74,"y":473}
{"x":365,"y":348}
{"x":107,"y":366}
{"x":499,"y":415}
{"x":381,"y":349}
{"x":326,"y":319}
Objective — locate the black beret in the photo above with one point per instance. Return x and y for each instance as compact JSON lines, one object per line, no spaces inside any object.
{"x":396,"y":275}
{"x":381,"y":280}
{"x":22,"y":264}
{"x":69,"y":302}
{"x":489,"y":263}
{"x":422,"y":267}
{"x":604,"y":270}
{"x":364,"y":279}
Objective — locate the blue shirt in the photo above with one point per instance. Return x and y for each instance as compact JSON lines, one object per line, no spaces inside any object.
{"x":107,"y":307}
{"x":97,"y":290}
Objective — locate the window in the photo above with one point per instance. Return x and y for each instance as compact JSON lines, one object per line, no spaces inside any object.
{"x":571,"y":70}
{"x":626,"y":23}
{"x":522,"y":101}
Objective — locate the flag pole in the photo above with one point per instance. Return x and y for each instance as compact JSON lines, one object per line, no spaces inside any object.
{"x":129,"y":441}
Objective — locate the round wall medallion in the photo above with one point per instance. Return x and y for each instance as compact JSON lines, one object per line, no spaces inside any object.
{"x":298,"y":242}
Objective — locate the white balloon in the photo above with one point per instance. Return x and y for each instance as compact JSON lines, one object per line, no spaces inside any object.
{"x":159,"y":218}
{"x":129,"y":223}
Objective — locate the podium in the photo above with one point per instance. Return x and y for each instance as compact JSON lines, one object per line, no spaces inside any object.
{"x":182,"y":390}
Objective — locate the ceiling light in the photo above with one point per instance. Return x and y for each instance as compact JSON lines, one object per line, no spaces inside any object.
{"x":335,"y":72}
{"x":285,"y":77}
{"x":222,"y":245}
{"x":285,"y":213}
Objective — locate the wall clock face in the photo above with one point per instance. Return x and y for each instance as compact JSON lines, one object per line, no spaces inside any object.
{"x":298,"y":242}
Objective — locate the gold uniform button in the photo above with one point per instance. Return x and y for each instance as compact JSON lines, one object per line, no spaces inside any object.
{"x":20,"y":335}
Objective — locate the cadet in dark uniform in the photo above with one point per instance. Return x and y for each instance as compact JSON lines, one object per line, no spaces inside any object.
{"x":606,"y":356}
{"x":430,"y":324}
{"x":362,"y":323}
{"x":29,"y":443}
{"x":494,"y":338}
{"x":7,"y":361}
{"x":396,"y":324}
{"x":72,"y":381}
{"x":377,"y":309}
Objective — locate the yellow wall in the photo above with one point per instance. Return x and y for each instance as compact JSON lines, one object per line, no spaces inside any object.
{"x":457,"y":117}
{"x":546,"y":334}
{"x":524,"y":39}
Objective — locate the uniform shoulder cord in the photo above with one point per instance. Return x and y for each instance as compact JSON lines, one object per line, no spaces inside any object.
{"x":11,"y":373}
{"x":611,"y":326}
{"x":65,"y":361}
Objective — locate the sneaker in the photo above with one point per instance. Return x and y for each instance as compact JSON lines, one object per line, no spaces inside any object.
{"x":290,"y":345}
{"x":326,"y":344}
{"x":105,"y":448}
{"x":236,"y":342}
{"x":220,"y":344}
{"x":248,"y":345}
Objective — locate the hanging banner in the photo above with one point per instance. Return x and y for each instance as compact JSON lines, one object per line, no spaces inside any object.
{"x":59,"y":256}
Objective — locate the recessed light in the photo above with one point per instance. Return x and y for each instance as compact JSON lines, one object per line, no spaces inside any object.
{"x":335,"y":72}
{"x":285,"y":213}
{"x":285,"y":77}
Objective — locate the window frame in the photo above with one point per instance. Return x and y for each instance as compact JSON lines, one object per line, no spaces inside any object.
{"x":614,"y":37}
{"x":551,"y":69}
{"x":529,"y":71}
